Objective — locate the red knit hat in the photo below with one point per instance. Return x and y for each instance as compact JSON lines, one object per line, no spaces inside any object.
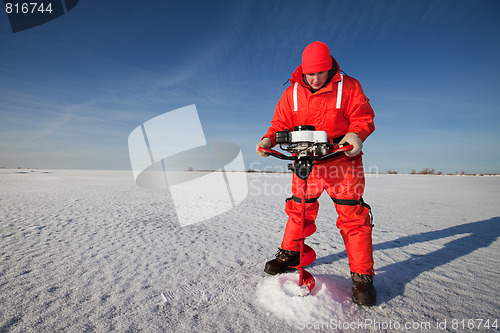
{"x":316,"y":58}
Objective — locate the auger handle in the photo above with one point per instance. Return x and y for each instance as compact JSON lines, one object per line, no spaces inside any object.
{"x":336,"y":152}
{"x":275,"y":153}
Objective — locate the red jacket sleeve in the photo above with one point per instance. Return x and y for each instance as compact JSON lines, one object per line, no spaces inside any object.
{"x":359,"y":112}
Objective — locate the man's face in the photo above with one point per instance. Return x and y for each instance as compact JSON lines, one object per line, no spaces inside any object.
{"x":317,"y":80}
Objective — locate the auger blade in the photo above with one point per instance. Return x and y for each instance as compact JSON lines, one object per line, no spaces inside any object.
{"x":309,"y":230}
{"x":308,"y":257}
{"x":308,"y":280}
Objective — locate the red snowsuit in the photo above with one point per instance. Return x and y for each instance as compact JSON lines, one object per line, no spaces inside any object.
{"x":337,"y":108}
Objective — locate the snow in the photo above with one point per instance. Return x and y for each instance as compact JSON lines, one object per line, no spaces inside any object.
{"x":89,"y":251}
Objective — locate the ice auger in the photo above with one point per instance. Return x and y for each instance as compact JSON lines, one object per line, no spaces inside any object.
{"x":306,"y":146}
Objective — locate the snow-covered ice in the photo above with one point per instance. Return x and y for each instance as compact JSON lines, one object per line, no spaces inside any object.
{"x":89,"y":251}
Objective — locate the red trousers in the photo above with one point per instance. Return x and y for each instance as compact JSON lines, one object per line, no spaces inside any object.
{"x":342,"y":178}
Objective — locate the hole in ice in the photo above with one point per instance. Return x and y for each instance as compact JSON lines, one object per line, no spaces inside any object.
{"x":282,"y":296}
{"x":292,"y":288}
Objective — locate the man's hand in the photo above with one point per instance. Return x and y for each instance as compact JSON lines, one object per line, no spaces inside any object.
{"x":264,"y":143}
{"x":354,"y":140}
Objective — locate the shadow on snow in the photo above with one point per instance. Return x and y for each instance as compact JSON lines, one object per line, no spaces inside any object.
{"x":476,"y":235}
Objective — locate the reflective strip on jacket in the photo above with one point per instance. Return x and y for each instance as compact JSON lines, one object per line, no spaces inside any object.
{"x":334,"y":110}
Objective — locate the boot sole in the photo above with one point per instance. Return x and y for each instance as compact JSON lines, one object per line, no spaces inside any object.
{"x":363,"y":303}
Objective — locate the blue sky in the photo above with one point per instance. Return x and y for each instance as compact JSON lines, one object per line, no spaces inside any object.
{"x":73,"y":89}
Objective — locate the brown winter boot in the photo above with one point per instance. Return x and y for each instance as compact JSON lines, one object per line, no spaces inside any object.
{"x":284,"y":259}
{"x":363,"y":291}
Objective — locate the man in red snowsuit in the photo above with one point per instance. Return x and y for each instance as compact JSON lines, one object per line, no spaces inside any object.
{"x":335,"y":103}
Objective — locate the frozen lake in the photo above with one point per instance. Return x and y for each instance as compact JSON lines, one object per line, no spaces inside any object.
{"x":89,"y":251}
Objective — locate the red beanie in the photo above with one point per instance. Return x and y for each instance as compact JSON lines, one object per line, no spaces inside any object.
{"x":316,"y":58}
